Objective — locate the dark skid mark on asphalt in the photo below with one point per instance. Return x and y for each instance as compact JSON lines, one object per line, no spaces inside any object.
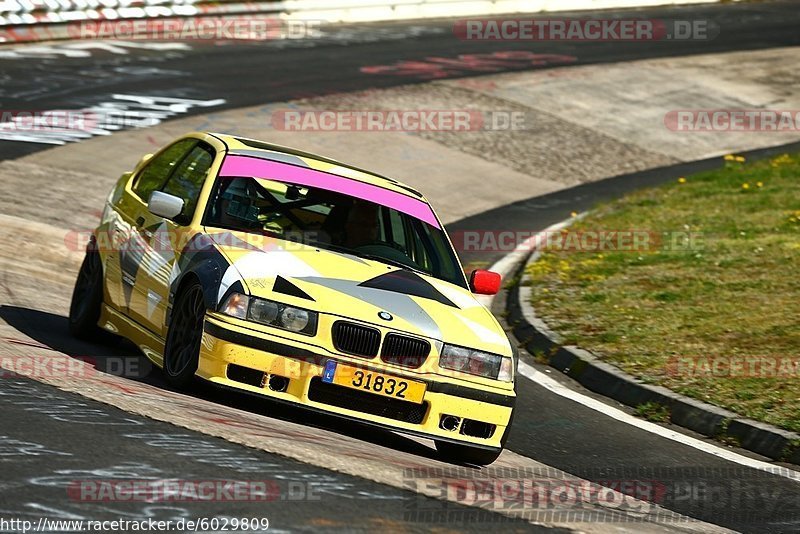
{"x":263,"y":72}
{"x":126,"y":360}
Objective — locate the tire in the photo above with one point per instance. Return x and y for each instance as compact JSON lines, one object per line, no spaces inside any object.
{"x":87,"y":299}
{"x":182,"y":348}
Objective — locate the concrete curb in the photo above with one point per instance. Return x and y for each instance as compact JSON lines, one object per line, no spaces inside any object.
{"x":600,"y":377}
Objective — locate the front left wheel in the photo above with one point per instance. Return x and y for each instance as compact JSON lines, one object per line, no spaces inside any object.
{"x":87,"y":298}
{"x":182,"y":348}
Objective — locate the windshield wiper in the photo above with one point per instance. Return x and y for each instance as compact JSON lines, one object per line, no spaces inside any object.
{"x":395,"y":263}
{"x":366,"y":256}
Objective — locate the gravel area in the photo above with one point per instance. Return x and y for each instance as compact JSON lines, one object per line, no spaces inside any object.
{"x":548,"y":147}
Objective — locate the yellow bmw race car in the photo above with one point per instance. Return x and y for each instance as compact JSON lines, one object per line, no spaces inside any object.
{"x":299,"y":278}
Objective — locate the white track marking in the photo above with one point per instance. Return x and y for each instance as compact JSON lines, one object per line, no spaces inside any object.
{"x":550,"y":384}
{"x":505,"y":266}
{"x":84,"y":49}
{"x":123,"y":111}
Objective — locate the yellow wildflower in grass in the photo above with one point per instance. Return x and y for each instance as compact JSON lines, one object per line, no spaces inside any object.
{"x":740,"y":159}
{"x":759,"y":184}
{"x":745,"y":186}
{"x":730,"y":157}
{"x":589,"y":262}
{"x":540,"y":269}
{"x":564,"y":269}
{"x":781,"y":160}
{"x":681,"y":180}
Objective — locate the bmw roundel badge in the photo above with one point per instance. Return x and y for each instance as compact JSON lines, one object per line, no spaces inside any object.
{"x":386,"y":316}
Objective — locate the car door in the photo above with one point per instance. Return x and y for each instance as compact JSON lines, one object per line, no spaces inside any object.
{"x":137,"y":225}
{"x":165,"y":237}
{"x":112,"y":231}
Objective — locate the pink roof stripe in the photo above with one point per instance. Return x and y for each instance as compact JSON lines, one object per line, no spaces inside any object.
{"x":283,"y":172}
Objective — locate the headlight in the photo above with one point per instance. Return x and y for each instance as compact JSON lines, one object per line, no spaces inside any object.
{"x":294,"y":318}
{"x":476,"y":362}
{"x":263,"y":311}
{"x":270,"y":313}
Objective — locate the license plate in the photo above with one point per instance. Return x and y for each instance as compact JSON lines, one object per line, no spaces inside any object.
{"x":378,"y":383}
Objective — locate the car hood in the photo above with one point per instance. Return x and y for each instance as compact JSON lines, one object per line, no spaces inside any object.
{"x":349,"y":286}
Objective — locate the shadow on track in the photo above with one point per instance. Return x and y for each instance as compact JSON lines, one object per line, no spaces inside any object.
{"x":123,"y":359}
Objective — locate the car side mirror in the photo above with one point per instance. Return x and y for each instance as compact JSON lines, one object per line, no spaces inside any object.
{"x":165,"y":205}
{"x":484,"y":282}
{"x":143,"y":162}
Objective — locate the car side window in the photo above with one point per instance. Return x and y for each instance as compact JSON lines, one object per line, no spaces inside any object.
{"x":158,"y":169}
{"x":417,"y":250}
{"x":188,"y":178}
{"x":391,"y":228}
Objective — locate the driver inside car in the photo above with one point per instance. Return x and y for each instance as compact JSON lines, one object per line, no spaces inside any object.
{"x":360,"y":232}
{"x":361,"y":226}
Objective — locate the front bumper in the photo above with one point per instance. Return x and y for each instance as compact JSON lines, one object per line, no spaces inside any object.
{"x":245,"y":359}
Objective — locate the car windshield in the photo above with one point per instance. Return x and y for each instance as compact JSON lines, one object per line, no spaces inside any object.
{"x":333,"y":221}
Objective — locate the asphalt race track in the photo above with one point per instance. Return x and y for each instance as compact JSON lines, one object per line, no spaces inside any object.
{"x":49,"y":436}
{"x":283,"y":70}
{"x":125,"y":447}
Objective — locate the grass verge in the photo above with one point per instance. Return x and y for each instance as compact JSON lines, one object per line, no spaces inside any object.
{"x":696,"y":289}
